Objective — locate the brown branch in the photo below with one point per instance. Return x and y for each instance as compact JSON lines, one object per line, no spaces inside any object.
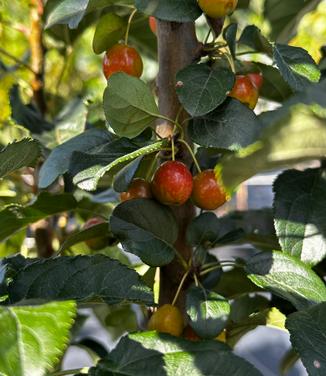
{"x":177,"y":48}
{"x":37,"y":53}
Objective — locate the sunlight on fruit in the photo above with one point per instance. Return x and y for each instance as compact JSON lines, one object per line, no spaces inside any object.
{"x":312,"y":32}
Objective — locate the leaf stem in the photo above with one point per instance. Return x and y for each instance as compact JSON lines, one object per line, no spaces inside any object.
{"x":129,"y":24}
{"x":180,"y":287}
{"x":191,"y":153}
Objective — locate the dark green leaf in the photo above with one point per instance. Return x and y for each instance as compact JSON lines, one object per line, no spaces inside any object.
{"x":286,"y":277}
{"x":15,"y":217}
{"x":27,"y":115}
{"x":23,"y":153}
{"x":171,"y":10}
{"x":109,"y":30}
{"x":253,"y":38}
{"x":308,"y":336}
{"x":140,"y":353}
{"x":58,"y":161}
{"x":230,"y":36}
{"x":208,"y":311}
{"x":201,"y":89}
{"x":274,"y":87}
{"x":299,"y":214}
{"x":129,"y":105}
{"x":124,"y":177}
{"x":204,"y":228}
{"x":146,"y":229}
{"x":222,"y":128}
{"x":296,"y":66}
{"x":82,"y":278}
{"x":33,"y":338}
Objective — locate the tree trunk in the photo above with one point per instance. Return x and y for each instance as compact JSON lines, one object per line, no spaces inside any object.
{"x":177,"y":48}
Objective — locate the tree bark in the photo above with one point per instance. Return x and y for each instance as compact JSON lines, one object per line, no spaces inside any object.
{"x":177,"y":48}
{"x":37,"y":53}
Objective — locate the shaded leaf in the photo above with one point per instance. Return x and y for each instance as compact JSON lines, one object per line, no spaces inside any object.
{"x":59,"y":159}
{"x":299,"y":214}
{"x":125,"y":176}
{"x":140,"y":353}
{"x":253,"y":38}
{"x":82,"y":278}
{"x":34,"y":337}
{"x":222,"y":128}
{"x":23,"y":153}
{"x":207,"y":310}
{"x":230,"y":36}
{"x":88,"y":169}
{"x":286,"y":277}
{"x":201,"y":89}
{"x":307,"y":333}
{"x":134,"y":225}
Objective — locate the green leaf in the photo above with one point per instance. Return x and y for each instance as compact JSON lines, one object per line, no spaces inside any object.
{"x":208,"y":311}
{"x":286,"y":277}
{"x":98,"y":231}
{"x":253,"y":38}
{"x":222,"y":128}
{"x":58,"y":161}
{"x":308,"y":336}
{"x":109,"y":30}
{"x":140,"y":353}
{"x":125,"y":176}
{"x":34,"y":337}
{"x":23,"y":153}
{"x":90,"y":168}
{"x":170,"y":10}
{"x":204,"y":228}
{"x":27,"y":115}
{"x":82,"y":278}
{"x":16,"y":217}
{"x":276,"y":149}
{"x":300,"y":198}
{"x":129,"y":105}
{"x":296,"y":66}
{"x":274,"y":87}
{"x":201,"y":89}
{"x":146,"y":229}
{"x":230,"y":36}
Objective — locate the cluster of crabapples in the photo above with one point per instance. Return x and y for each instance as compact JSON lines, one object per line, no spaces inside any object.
{"x":173,"y":184}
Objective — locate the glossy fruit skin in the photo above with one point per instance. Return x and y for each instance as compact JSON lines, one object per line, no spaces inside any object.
{"x":96,"y":243}
{"x":257,"y":79}
{"x":217,"y":8}
{"x":139,"y":188}
{"x":122,"y":58}
{"x":245,"y":91}
{"x":167,"y":319}
{"x":152,"y":24}
{"x":172,"y":183}
{"x":207,"y":194}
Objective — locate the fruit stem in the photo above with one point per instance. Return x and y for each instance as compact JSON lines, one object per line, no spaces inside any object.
{"x":219,"y":266}
{"x":196,"y":280}
{"x":129,"y":24}
{"x":70,"y":371}
{"x":207,"y":36}
{"x":191,"y":153}
{"x":182,"y":260}
{"x":180,"y":287}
